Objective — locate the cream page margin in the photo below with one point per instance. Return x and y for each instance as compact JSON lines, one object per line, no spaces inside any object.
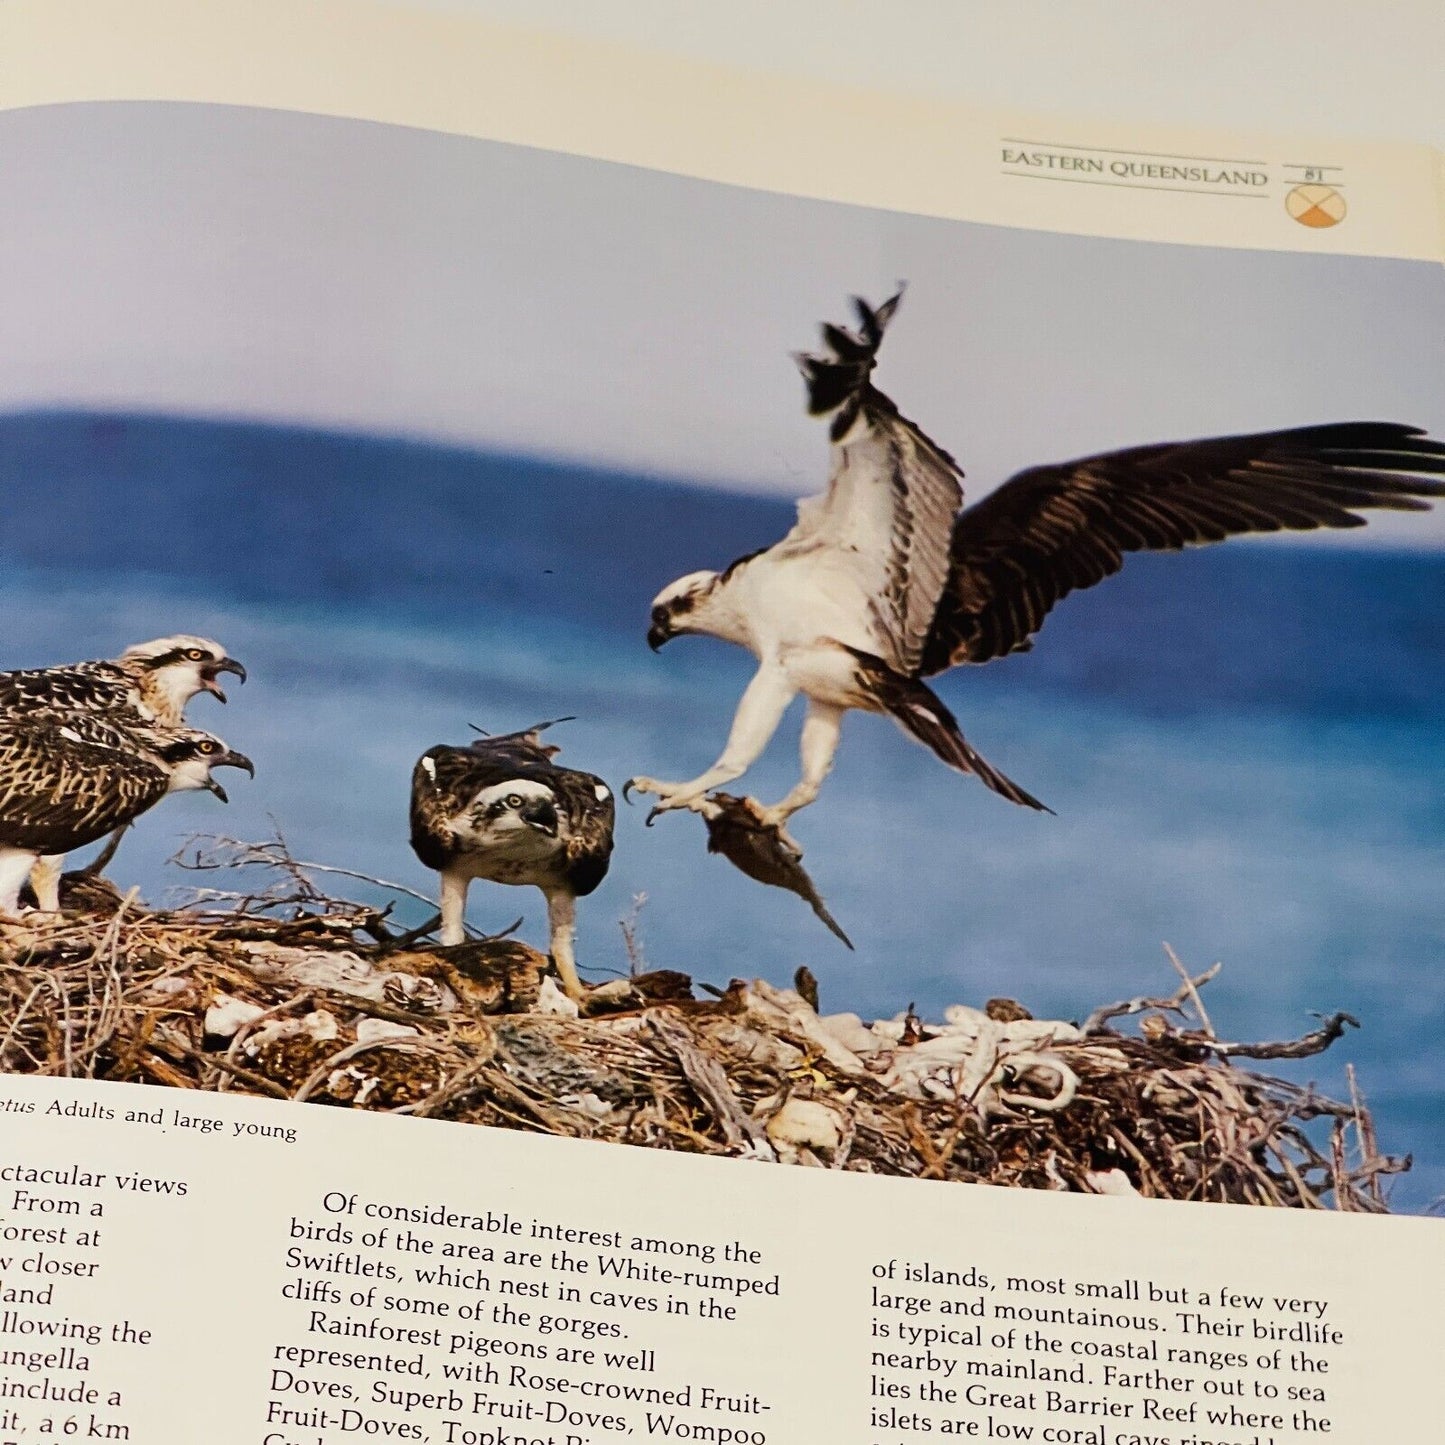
{"x":205,"y":1273}
{"x":459,"y":74}
{"x":218,"y":1255}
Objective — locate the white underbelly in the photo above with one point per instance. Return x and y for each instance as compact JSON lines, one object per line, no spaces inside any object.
{"x":827,"y":673}
{"x":808,"y":602}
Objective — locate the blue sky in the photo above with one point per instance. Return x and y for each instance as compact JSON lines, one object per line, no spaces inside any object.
{"x":220,"y":261}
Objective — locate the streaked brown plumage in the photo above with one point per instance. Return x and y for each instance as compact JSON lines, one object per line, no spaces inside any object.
{"x":149,"y":682}
{"x":502,"y":810}
{"x":67,"y":781}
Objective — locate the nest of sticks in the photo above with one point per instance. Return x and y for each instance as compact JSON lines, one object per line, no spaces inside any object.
{"x":289,"y":992}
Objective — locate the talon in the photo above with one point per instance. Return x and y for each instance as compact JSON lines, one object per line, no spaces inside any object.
{"x":777,"y":821}
{"x":627,"y":791}
{"x":653,"y":815}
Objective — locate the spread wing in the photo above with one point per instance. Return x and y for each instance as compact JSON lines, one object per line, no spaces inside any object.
{"x":64,"y":785}
{"x":1051,"y":530}
{"x":89,"y":687}
{"x":887,"y":515}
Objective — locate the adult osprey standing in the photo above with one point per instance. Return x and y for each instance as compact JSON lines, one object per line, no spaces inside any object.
{"x":884,"y":582}
{"x":501,"y":809}
{"x":149,"y":682}
{"x":67,"y":781}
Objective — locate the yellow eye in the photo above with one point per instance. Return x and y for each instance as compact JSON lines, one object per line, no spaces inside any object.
{"x":195,"y":654}
{"x":208,"y":747}
{"x":514,"y":800}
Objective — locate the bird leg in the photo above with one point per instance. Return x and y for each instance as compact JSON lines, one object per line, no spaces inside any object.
{"x":822,"y":727}
{"x":562,"y":923}
{"x":453,"y":908}
{"x":101,"y":861}
{"x":760,"y":710}
{"x":45,"y":881}
{"x":15,"y":866}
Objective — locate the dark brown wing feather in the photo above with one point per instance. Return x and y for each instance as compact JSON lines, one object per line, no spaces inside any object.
{"x":446,"y":779}
{"x":1051,"y":530}
{"x":64,"y":782}
{"x":590,"y":809}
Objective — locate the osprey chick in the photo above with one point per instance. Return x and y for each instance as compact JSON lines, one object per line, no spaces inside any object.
{"x":149,"y":682}
{"x":502,"y":810}
{"x":883,"y":582}
{"x":66,"y":781}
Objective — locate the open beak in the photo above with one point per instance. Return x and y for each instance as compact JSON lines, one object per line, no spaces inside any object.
{"x":542,"y":816}
{"x":226,"y":664}
{"x":229,"y":760}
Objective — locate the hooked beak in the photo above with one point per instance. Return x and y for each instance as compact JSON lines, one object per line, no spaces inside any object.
{"x":659,"y":634}
{"x":542,"y":816}
{"x":226,"y":664}
{"x":229,"y":760}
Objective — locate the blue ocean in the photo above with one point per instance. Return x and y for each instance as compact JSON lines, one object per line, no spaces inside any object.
{"x":1242,"y":744}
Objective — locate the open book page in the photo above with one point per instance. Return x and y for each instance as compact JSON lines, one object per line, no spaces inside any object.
{"x":719,"y":894}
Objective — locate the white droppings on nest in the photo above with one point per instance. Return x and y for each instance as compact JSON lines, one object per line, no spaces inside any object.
{"x":805,"y":1124}
{"x":781,"y":1011}
{"x":615,"y":992}
{"x":227,"y":1016}
{"x":736,"y":1040}
{"x":316,"y":968}
{"x":320,"y":1025}
{"x":1112,"y":1181}
{"x":587,"y":1103}
{"x":997,"y":1066}
{"x":551,"y":1000}
{"x":375,"y":1031}
{"x":347,"y":973}
{"x":164,"y":989}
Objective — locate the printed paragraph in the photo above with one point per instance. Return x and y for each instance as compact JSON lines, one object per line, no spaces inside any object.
{"x":1087,"y":1361}
{"x":64,"y":1354}
{"x":485,"y":1327}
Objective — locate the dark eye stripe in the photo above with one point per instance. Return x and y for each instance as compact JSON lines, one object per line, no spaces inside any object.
{"x":176,"y":654}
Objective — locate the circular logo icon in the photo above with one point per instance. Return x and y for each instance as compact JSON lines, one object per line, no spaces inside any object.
{"x":1316,"y":206}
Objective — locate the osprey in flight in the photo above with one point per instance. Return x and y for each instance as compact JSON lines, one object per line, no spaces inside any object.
{"x":67,"y":781}
{"x":501,"y":809}
{"x":884,"y":582}
{"x":149,"y":682}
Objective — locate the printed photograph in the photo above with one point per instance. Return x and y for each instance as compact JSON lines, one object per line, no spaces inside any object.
{"x":512,"y":638}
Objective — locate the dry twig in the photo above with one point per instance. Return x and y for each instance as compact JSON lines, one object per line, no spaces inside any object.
{"x":122,"y":993}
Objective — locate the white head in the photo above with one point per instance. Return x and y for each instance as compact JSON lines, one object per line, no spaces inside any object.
{"x":188,"y":755}
{"x":518,"y":815}
{"x":684,"y":606}
{"x":170,"y":671}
